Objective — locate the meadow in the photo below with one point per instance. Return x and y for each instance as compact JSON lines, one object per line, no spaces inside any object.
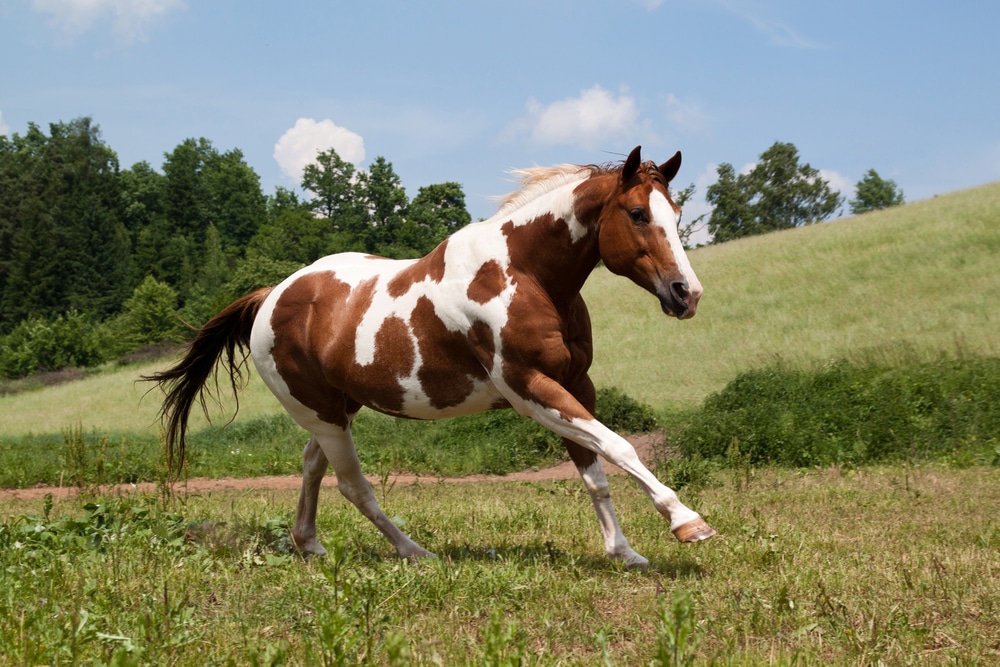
{"x":847,"y":561}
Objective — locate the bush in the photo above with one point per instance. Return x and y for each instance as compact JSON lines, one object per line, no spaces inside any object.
{"x":846,"y":413}
{"x":37,"y":344}
{"x":622,"y":413}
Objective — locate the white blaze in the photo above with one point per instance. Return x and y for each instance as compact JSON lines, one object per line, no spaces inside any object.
{"x":667,"y":219}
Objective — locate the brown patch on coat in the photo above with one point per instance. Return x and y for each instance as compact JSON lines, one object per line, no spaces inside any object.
{"x":539,"y":342}
{"x":448,"y":368}
{"x":489,"y":282}
{"x":431,"y":266}
{"x":481,"y":336}
{"x":315,"y":322}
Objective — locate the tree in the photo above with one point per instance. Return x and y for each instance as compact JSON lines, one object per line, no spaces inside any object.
{"x":232,"y":202}
{"x":439,"y":209}
{"x":777,"y":193}
{"x":874,"y":193}
{"x":63,"y":245}
{"x":331,"y":180}
{"x":386,"y":204}
{"x":687,"y":229}
{"x":292,"y":233}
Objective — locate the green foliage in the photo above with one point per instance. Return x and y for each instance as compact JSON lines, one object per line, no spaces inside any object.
{"x":150,"y":315}
{"x":874,"y":193}
{"x":258,"y":270}
{"x":777,"y":193}
{"x":63,"y":245}
{"x":622,"y":413}
{"x":292,"y":233}
{"x":853,"y":414}
{"x":676,"y":639}
{"x":36,"y":344}
{"x":503,"y":644}
{"x":331,"y":179}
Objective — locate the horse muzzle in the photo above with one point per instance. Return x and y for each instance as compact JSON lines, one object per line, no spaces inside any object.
{"x":677,"y":299}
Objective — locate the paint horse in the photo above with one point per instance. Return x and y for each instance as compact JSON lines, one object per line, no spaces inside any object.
{"x":492,"y":318}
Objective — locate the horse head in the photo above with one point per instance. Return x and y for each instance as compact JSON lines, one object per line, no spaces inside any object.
{"x":639,"y":237}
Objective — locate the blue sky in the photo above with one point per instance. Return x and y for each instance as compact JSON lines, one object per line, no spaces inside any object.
{"x":467,"y":90}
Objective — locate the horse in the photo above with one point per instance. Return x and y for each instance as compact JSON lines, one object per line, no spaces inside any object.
{"x":492,"y":318}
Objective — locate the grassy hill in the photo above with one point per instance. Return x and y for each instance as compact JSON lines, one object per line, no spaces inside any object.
{"x":922,"y":279}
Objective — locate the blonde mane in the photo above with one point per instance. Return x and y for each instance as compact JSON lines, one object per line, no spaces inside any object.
{"x":536,"y":181}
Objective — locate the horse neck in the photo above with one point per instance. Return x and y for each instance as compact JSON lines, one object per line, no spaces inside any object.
{"x":557,"y":245}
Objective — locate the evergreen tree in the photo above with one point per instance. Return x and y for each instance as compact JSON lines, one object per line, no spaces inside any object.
{"x":64,"y":243}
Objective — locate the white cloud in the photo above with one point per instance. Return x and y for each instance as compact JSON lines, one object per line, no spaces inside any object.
{"x":299,"y":145}
{"x":4,"y":128}
{"x":129,"y":18}
{"x":839,"y":183}
{"x":594,"y":117}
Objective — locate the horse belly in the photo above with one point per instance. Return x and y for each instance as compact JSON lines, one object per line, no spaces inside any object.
{"x":418,"y":404}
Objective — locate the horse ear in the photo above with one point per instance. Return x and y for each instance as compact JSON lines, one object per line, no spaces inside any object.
{"x":632,"y":163}
{"x":670,"y":168}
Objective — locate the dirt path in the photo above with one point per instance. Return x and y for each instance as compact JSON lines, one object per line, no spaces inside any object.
{"x":643,"y":444}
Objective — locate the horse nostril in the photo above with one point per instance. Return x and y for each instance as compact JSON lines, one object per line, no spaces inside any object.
{"x":680,"y":291}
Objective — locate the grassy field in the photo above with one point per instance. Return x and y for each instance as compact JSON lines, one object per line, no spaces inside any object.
{"x":893,"y":566}
{"x":840,"y":565}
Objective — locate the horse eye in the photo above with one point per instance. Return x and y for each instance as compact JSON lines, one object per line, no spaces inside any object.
{"x":638,"y":215}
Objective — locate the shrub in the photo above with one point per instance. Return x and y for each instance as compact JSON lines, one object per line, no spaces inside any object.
{"x":622,"y":413}
{"x":37,"y":344}
{"x":847,"y":413}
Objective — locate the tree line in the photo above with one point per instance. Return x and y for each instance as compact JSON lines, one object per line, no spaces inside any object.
{"x":779,"y":192}
{"x":97,"y":261}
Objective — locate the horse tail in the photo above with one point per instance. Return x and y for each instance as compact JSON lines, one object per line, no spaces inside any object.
{"x":186,"y":382}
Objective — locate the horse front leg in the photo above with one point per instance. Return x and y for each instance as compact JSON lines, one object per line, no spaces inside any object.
{"x":588,"y":464}
{"x":551,"y":405}
{"x":591,"y":471}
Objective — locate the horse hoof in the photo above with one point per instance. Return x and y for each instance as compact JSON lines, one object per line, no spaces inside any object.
{"x":309,"y":548}
{"x":693,"y":531}
{"x":636,"y":562}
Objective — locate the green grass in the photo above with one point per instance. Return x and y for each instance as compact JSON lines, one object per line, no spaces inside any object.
{"x":922,"y":277}
{"x":890,"y":565}
{"x":492,"y":443}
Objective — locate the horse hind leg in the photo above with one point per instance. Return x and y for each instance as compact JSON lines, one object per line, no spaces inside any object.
{"x":338,"y":447}
{"x":616,"y":546}
{"x":314,"y":466}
